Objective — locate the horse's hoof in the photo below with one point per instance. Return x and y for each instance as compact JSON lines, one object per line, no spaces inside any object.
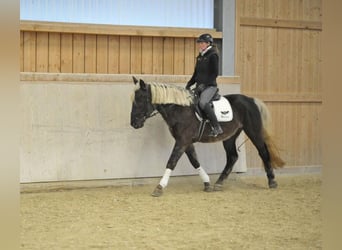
{"x":158,"y":191}
{"x":272,"y":184}
{"x":218,"y":187}
{"x":207,"y":187}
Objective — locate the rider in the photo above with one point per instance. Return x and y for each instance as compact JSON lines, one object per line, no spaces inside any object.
{"x":205,"y":74}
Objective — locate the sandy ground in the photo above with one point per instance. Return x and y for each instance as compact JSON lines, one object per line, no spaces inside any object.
{"x":245,"y":215}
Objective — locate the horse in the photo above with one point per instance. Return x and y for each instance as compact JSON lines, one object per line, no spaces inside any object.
{"x":177,"y":107}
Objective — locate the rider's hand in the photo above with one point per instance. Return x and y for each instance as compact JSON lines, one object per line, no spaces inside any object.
{"x":188,"y":85}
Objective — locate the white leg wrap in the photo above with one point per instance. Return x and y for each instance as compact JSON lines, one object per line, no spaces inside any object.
{"x":204,"y":176}
{"x":165,"y":180}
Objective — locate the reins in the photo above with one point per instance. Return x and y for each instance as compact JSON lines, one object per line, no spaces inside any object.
{"x":242,"y":144}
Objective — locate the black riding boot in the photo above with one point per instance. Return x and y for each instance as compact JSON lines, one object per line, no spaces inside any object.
{"x":216,"y":128}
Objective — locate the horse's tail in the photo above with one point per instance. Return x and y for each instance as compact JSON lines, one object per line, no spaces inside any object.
{"x":276,"y":161}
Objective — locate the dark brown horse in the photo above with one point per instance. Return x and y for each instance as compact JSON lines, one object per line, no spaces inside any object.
{"x":175,"y":105}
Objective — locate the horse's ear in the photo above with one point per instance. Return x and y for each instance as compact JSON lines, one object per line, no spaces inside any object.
{"x":135,"y":80}
{"x":142,"y":84}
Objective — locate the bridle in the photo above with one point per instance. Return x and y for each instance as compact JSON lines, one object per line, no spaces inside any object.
{"x":150,"y":111}
{"x":153,"y":113}
{"x":150,"y":107}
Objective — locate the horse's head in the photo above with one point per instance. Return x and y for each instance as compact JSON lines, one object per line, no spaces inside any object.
{"x":142,"y":108}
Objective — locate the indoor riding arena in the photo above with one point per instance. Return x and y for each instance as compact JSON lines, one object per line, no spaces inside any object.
{"x":87,"y":176}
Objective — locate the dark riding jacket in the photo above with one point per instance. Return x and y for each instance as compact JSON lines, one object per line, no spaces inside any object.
{"x":206,"y":70}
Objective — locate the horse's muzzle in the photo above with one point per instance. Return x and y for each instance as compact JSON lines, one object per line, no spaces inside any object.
{"x":137,"y":124}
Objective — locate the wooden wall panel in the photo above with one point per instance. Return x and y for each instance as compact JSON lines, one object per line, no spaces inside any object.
{"x":168,"y":52}
{"x":29,"y":51}
{"x":282,"y":9}
{"x":42,"y":52}
{"x":102,"y":54}
{"x":189,"y":56}
{"x":147,"y":55}
{"x":125,"y":55}
{"x":296,"y":131}
{"x":158,"y":55}
{"x":66,"y":53}
{"x":54,"y":52}
{"x":280,"y":62}
{"x":68,"y":48}
{"x":136,"y":56}
{"x":78,"y":53}
{"x":179,"y":56}
{"x":90,"y":52}
{"x":21,"y":53}
{"x":113,"y":54}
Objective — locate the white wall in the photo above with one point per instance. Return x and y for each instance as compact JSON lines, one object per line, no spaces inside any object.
{"x":167,"y":13}
{"x":80,"y":131}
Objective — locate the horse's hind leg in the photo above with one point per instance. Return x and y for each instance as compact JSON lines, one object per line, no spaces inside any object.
{"x":259,"y":143}
{"x":265,"y":156}
{"x":191,"y":153}
{"x":232,"y":156}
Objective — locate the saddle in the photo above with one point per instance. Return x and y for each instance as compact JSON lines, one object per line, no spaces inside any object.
{"x":221,"y":106}
{"x":222,"y":109}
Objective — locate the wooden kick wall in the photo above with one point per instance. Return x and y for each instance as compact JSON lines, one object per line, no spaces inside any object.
{"x":279,"y":60}
{"x":89,"y":48}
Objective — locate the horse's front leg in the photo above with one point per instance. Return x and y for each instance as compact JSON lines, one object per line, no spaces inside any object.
{"x":177,"y":152}
{"x":191,"y":153}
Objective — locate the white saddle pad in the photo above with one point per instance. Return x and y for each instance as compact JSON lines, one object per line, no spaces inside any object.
{"x":223,"y":110}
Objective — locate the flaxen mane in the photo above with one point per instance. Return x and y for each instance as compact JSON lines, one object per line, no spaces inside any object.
{"x":170,"y":94}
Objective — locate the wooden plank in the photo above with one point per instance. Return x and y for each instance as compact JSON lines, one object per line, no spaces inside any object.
{"x":189,"y":56}
{"x":29,"y":51}
{"x":136,"y":55}
{"x":250,"y":60}
{"x":292,"y":55}
{"x":312,"y":10}
{"x":66,"y":53}
{"x":318,"y":64}
{"x":113,"y":54}
{"x":268,"y":9}
{"x":307,"y":63}
{"x":123,"y":30}
{"x":284,"y":98}
{"x":80,"y":78}
{"x":90,"y":53}
{"x":125,"y":55}
{"x":42,"y":52}
{"x":168,"y":63}
{"x":282,"y":9}
{"x":259,"y":58}
{"x":282,"y":61}
{"x":54,"y":52}
{"x":21,"y":55}
{"x":179,"y":56}
{"x":279,"y":23}
{"x":272,"y":67}
{"x":147,"y":55}
{"x":158,"y":56}
{"x":78,"y":53}
{"x":102,"y":54}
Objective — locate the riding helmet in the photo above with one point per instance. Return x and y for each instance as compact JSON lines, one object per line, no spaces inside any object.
{"x":207,"y":38}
